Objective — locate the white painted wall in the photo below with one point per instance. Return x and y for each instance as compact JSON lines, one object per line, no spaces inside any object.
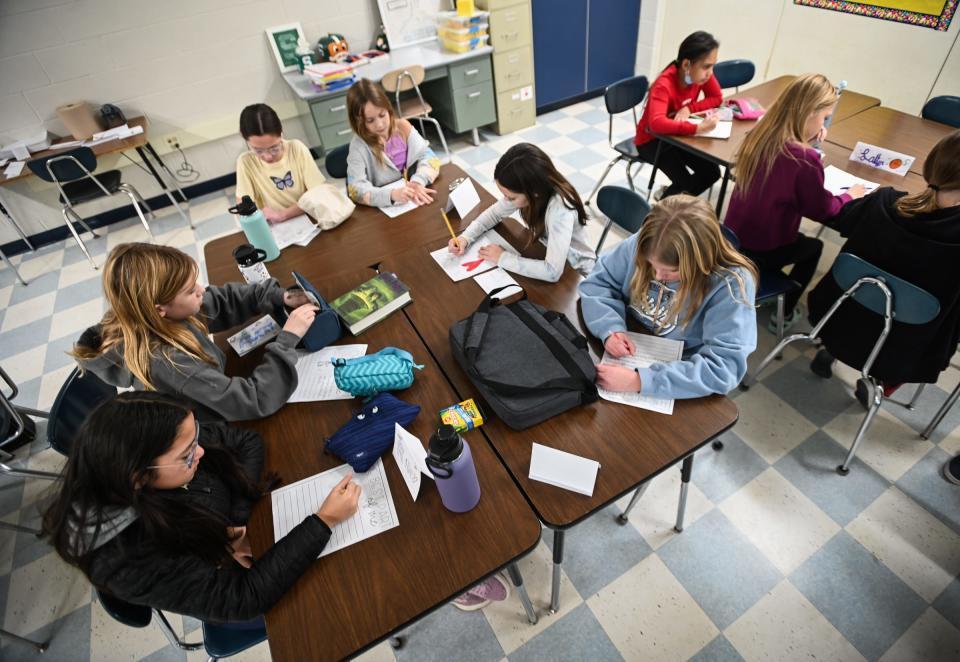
{"x":189,"y":65}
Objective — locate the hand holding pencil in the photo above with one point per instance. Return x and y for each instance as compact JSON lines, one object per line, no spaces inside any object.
{"x":456,"y":245}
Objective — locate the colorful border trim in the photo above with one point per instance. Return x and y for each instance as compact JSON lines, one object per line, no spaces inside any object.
{"x":940,"y":23}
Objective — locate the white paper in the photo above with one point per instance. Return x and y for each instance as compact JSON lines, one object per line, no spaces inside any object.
{"x":459,"y":267}
{"x":465,"y":197}
{"x":411,"y":458}
{"x":65,"y":145}
{"x":495,"y":278}
{"x":395,"y":210}
{"x":882,"y":159}
{"x":117,"y":133}
{"x":297,"y":229}
{"x":721,"y":130}
{"x":14,"y":169}
{"x":249,"y":338}
{"x":650,"y":350}
{"x":375,"y":513}
{"x":92,"y":142}
{"x":562,"y":469}
{"x":315,"y":373}
{"x":839,"y":181}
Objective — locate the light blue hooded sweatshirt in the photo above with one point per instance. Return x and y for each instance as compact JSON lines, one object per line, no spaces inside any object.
{"x":716,"y":341}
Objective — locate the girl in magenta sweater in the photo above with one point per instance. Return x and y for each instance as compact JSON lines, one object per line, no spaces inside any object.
{"x":780,"y":180}
{"x":673,"y":98}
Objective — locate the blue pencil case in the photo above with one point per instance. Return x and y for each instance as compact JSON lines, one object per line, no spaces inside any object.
{"x":326,"y":327}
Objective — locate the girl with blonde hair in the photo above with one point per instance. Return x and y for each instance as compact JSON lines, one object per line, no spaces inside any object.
{"x":780,"y":180}
{"x":154,"y":336}
{"x":679,"y":278}
{"x":385,"y":149}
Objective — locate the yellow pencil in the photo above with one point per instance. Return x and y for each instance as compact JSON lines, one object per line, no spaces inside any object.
{"x":449,"y":227}
{"x":404,"y":173}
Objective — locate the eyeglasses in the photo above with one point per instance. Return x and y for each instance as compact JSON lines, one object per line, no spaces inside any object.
{"x":191,"y":455}
{"x":273,"y":150}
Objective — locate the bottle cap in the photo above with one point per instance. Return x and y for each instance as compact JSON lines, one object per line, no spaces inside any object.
{"x":446,"y":443}
{"x":246,"y":207}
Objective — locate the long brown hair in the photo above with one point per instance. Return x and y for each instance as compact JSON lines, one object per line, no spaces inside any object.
{"x":136,"y":278}
{"x":683,"y":231}
{"x":782,"y":124}
{"x":941,"y":171}
{"x":362,"y":92}
{"x":526,"y":169}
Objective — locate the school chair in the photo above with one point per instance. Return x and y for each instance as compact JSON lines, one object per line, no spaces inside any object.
{"x":944,"y":408}
{"x":72,"y":172}
{"x":734,"y":73}
{"x":619,"y":97}
{"x":881,"y":293}
{"x":409,"y":78}
{"x":335,"y":163}
{"x":944,"y":109}
{"x":623,"y":208}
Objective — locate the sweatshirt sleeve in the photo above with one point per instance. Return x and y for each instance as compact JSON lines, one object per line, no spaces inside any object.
{"x":246,"y":446}
{"x":712,"y":96}
{"x":658,"y":104}
{"x":419,"y":152}
{"x":186,"y":584}
{"x":813,"y":200}
{"x":488,"y":219}
{"x":602,"y":298}
{"x":559,"y":223}
{"x":360,"y":188}
{"x":235,"y":303}
{"x":718,"y":365}
{"x":311,"y":175}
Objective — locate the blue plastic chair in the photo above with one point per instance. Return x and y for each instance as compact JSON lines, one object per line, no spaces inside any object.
{"x":78,"y":397}
{"x":734,"y":73}
{"x":622,"y":207}
{"x":886,"y":295}
{"x":945,"y":109}
{"x":336,"y":161}
{"x":619,"y":97}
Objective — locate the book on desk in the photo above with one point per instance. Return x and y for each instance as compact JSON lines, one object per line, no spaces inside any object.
{"x":367,"y":304}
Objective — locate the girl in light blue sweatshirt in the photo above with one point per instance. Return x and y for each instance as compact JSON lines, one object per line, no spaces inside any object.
{"x":680,"y":279}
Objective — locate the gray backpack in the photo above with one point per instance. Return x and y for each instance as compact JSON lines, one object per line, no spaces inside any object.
{"x":528,"y":363}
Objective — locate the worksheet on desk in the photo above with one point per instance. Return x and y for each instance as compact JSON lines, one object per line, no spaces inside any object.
{"x":460,"y":267}
{"x":375,"y":514}
{"x":299,"y":230}
{"x":315,"y":373}
{"x":395,"y":210}
{"x":722,"y":130}
{"x":650,"y":350}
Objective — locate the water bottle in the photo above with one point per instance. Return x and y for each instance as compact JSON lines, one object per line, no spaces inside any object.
{"x":841,"y":86}
{"x":451,"y":463}
{"x":250,"y":262}
{"x":255,"y":226}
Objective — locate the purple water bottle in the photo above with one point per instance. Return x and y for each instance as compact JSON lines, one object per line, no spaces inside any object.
{"x":451,"y":463}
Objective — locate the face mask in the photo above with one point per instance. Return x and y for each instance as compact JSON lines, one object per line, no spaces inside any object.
{"x":686,"y":79}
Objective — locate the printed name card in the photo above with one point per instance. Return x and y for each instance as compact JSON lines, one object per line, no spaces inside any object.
{"x":881,"y":159}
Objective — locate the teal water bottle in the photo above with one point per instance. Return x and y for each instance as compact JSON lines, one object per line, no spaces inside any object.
{"x":255,"y":226}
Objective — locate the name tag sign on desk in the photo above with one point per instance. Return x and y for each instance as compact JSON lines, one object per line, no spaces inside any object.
{"x":882,"y":159}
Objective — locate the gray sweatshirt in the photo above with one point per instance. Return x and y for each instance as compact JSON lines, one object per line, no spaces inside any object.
{"x":233,"y":398}
{"x":564,"y":237}
{"x":367,"y":176}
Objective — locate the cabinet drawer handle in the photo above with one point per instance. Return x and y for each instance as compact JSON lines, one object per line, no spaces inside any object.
{"x":343,"y":132}
{"x":510,"y":16}
{"x":513,"y":74}
{"x":471,"y":72}
{"x":516,"y":111}
{"x":473,"y":95}
{"x":511,"y":35}
{"x":337,"y":109}
{"x":513,"y":59}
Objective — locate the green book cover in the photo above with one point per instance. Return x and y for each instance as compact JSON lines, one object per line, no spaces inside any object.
{"x":376,"y":294}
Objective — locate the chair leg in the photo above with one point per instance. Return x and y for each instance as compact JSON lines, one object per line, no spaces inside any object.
{"x":876,"y":397}
{"x":596,"y":187}
{"x":176,"y":205}
{"x":750,"y":380}
{"x":633,"y":187}
{"x":935,"y":421}
{"x":133,"y":198}
{"x":3,"y":256}
{"x":624,"y":517}
{"x":21,"y":529}
{"x":443,"y":138}
{"x":40,"y":648}
{"x":169,"y":633}
{"x":76,"y":236}
{"x":82,"y":221}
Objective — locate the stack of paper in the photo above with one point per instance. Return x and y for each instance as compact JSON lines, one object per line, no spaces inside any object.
{"x":566,"y":470}
{"x":299,"y":230}
{"x":116,"y":133}
{"x":329,"y":76}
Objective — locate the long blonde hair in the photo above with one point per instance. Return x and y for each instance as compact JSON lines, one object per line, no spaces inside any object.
{"x":136,"y":278}
{"x":941,"y":171}
{"x":782,"y":124}
{"x":360,"y":93}
{"x":683,"y":231}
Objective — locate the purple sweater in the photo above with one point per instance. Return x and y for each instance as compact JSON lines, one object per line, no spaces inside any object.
{"x":769,"y":216}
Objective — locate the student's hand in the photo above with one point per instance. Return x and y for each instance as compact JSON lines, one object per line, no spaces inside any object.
{"x":619,"y":345}
{"x":294,"y":298}
{"x":341,"y":503}
{"x":274,"y":215}
{"x":457,"y":246}
{"x":491,"y":253}
{"x":821,"y":135}
{"x":857,"y":191}
{"x":421,"y":194}
{"x":707,"y":125}
{"x":683,"y":114}
{"x":300,"y":320}
{"x":618,"y":378}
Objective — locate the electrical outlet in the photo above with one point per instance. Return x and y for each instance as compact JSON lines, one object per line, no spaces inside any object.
{"x":174,"y":142}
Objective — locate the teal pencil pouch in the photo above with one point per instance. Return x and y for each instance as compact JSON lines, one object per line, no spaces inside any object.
{"x":390,"y":369}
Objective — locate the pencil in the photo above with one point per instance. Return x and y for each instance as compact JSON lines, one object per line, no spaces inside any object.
{"x":449,"y":227}
{"x":405,"y":175}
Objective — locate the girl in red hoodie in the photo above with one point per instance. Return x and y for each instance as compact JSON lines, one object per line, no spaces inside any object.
{"x":673,"y":98}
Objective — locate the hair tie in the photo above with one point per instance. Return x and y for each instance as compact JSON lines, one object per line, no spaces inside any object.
{"x":933,"y":187}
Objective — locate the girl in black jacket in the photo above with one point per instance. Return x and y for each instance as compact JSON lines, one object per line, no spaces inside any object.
{"x":153,"y":509}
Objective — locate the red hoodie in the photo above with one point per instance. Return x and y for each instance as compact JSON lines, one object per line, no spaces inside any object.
{"x":666,"y":97}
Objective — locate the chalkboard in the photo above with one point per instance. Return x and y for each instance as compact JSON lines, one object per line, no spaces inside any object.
{"x":283,"y":42}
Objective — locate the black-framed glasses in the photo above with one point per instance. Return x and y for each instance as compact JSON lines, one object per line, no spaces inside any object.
{"x":191,"y":455}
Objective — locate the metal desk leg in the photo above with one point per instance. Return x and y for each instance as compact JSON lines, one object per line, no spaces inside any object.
{"x":557,"y":563}
{"x":163,"y":185}
{"x":173,"y":178}
{"x":16,"y":226}
{"x":517,"y":580}
{"x":624,"y":517}
{"x":935,"y":421}
{"x":476,"y":137}
{"x":13,"y":268}
{"x":723,"y":190}
{"x":40,"y":648}
{"x":686,"y":469}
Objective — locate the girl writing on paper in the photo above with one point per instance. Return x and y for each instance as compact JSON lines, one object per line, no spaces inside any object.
{"x":780,"y":179}
{"x":153,"y":509}
{"x":551,"y":210}
{"x":680,"y":279}
{"x":386,"y":149}
{"x":154,"y":336}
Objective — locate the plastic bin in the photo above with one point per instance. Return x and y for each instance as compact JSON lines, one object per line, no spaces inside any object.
{"x":463,"y":46}
{"x":478,"y":31}
{"x":450,"y":20}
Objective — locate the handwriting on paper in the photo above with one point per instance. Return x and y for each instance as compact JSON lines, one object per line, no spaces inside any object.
{"x":882,"y":159}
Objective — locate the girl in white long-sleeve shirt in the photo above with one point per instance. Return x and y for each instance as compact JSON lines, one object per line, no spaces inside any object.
{"x":551,"y":209}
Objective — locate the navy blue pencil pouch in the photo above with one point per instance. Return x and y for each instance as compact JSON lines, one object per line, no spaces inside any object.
{"x":369,"y":432}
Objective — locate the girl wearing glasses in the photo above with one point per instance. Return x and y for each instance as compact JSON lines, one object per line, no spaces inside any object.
{"x":154,"y":336}
{"x":679,"y":278}
{"x":275,"y":172}
{"x":153,"y":509}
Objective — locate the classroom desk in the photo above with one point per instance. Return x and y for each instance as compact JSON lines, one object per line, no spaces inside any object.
{"x":352,"y":599}
{"x":839,"y":157}
{"x":722,"y":152}
{"x":891,"y":129}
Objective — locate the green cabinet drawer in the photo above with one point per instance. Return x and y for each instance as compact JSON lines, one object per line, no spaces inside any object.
{"x":514,"y":113}
{"x":336,"y":135}
{"x":490,"y":5}
{"x":329,"y":111}
{"x":473,"y":106}
{"x":513,"y":68}
{"x":470,"y":73}
{"x":510,"y":28}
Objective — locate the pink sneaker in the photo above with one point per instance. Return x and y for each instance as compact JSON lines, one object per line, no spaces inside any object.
{"x":470,"y":602}
{"x":492,"y":589}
